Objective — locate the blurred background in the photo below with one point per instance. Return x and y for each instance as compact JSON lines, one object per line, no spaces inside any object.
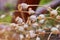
{"x":7,"y":3}
{"x":6,"y":8}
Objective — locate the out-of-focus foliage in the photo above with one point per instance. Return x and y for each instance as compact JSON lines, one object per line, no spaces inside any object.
{"x":3,"y":3}
{"x":1,"y":12}
{"x":42,"y":2}
{"x":9,"y":7}
{"x":59,"y":10}
{"x":6,"y":19}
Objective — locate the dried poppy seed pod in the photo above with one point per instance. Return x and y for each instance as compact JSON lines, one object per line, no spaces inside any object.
{"x":32,"y":32}
{"x":33,"y":18}
{"x":41,"y":16}
{"x":41,"y":31}
{"x":31,"y":11}
{"x":26,"y":26}
{"x":21,"y":36}
{"x":19,"y":20}
{"x":41,"y":21}
{"x":16,"y":28}
{"x":27,"y":36}
{"x":35,"y":25}
{"x":21,"y":28}
{"x":53,"y":13}
{"x":54,"y":30}
{"x":58,"y":17}
{"x":38,"y":38}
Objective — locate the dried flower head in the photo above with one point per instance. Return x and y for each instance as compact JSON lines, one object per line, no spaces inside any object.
{"x":41,"y":16}
{"x":21,"y":28}
{"x":53,"y":13}
{"x":38,"y":38}
{"x":24,"y":5}
{"x":58,"y":17}
{"x":41,"y":21}
{"x":33,"y":18}
{"x":21,"y":36}
{"x":32,"y":32}
{"x":54,"y":30}
{"x":19,"y":20}
{"x":25,"y":26}
{"x":31,"y":11}
{"x":34,"y":25}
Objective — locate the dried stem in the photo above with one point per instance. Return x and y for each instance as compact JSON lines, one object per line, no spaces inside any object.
{"x":20,"y":9}
{"x":49,"y":36}
{"x":37,"y":5}
{"x":57,"y":8}
{"x":28,"y":21}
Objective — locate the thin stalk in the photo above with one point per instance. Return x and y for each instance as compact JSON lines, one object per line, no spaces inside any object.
{"x":49,"y":36}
